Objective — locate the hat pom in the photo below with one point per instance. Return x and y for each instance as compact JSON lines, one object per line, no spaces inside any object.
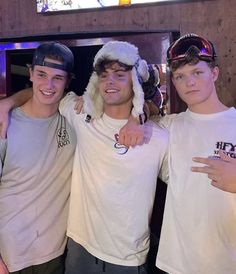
{"x":142,"y":70}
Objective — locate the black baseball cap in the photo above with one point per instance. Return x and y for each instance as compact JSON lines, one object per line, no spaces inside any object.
{"x":56,"y":49}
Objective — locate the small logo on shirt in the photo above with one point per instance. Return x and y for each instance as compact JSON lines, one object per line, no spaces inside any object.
{"x":120,"y":149}
{"x":63,"y":137}
{"x":228,"y":148}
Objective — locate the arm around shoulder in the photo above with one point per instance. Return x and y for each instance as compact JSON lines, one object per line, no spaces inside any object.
{"x":8,"y":103}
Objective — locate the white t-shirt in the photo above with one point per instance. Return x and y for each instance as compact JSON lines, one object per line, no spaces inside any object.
{"x":113,"y":188}
{"x":199,"y":227}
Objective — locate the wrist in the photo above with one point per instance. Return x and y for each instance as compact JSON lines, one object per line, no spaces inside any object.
{"x":143,"y":118}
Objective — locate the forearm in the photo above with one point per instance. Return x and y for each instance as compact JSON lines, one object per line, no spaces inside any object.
{"x":3,"y":267}
{"x":16,"y":99}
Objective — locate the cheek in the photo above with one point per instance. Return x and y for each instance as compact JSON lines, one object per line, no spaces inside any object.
{"x":101,"y":85}
{"x":59,"y":88}
{"x":127,"y":84}
{"x":179,"y":86}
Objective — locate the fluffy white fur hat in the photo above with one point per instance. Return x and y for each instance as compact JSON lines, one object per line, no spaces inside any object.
{"x":127,"y":54}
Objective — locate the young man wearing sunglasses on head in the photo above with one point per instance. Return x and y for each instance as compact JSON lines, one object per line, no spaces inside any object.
{"x":199,"y":225}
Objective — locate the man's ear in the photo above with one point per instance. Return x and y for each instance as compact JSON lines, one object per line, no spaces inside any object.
{"x":68,"y":82}
{"x":215,"y":73}
{"x":31,"y":71}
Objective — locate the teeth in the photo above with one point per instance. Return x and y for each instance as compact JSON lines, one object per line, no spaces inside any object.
{"x":111,"y":90}
{"x":47,"y":93}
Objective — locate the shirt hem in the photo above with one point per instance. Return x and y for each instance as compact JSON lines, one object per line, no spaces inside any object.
{"x":18,"y":267}
{"x":166,"y":268}
{"x":104,"y":257}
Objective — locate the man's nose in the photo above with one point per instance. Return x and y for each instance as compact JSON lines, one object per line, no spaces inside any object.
{"x":49,"y":83}
{"x":190,"y":81}
{"x":110,"y":79}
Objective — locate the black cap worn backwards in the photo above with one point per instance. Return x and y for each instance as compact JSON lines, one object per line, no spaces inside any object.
{"x":54,"y":49}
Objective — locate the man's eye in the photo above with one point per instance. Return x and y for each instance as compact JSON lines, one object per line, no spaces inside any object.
{"x":198,"y":72}
{"x":41,"y":75}
{"x":103,"y":76}
{"x":178,"y":77}
{"x":58,"y":78}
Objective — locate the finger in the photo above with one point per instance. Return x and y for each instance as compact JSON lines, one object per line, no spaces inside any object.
{"x":201,"y":160}
{"x":224,"y":156}
{"x":78,"y":105}
{"x":139,"y":140}
{"x":133,"y":141}
{"x":211,"y":162}
{"x":203,"y":169}
{"x":121,"y":138}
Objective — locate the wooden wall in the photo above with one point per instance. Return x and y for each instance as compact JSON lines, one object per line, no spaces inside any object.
{"x":215,"y":19}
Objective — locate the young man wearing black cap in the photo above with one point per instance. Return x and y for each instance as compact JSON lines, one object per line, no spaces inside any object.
{"x":37,"y":164}
{"x":199,"y":226}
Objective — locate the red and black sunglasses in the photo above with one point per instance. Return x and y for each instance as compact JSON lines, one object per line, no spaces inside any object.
{"x":181,"y":48}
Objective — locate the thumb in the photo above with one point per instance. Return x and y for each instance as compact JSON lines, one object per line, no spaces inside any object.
{"x":224,"y":156}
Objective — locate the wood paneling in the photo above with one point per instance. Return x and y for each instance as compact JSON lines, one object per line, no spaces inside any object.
{"x":215,"y":19}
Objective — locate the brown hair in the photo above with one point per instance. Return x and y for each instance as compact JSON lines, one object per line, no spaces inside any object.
{"x":191,"y":60}
{"x":105,"y":64}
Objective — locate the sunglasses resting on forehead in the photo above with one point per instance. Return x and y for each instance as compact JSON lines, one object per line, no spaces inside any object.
{"x":191,"y":43}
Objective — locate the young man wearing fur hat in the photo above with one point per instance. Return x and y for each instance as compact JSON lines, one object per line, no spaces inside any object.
{"x":112,"y":187}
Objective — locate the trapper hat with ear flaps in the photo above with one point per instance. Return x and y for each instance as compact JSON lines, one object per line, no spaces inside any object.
{"x":127,"y":54}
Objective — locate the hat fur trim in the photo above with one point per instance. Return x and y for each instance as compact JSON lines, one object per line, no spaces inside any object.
{"x":93,"y":102}
{"x":125,"y":52}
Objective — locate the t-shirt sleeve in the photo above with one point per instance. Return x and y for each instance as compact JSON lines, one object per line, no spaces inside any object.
{"x":164,"y":121}
{"x":66,"y":107}
{"x":164,"y":171}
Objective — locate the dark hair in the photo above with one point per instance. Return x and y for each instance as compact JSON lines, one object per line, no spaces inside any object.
{"x":105,"y":64}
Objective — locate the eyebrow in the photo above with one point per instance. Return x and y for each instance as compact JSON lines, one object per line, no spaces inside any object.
{"x":116,"y":70}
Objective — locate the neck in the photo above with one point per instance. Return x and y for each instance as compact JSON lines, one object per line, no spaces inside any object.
{"x":37,"y":110}
{"x":209,"y":106}
{"x":118,"y":112}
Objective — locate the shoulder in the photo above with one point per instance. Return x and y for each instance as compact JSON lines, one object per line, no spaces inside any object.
{"x":68,"y":100}
{"x":165,"y":121}
{"x":156,"y":131}
{"x":66,"y":108}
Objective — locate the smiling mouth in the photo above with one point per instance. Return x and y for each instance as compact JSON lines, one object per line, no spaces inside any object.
{"x":48,"y":93}
{"x":111,"y":91}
